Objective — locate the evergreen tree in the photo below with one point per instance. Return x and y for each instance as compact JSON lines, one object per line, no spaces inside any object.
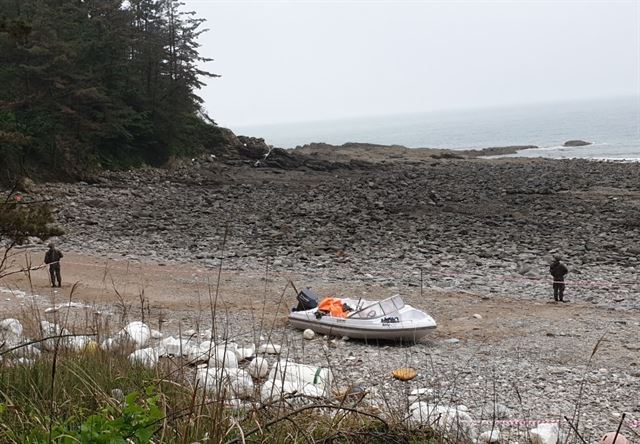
{"x":97,"y":83}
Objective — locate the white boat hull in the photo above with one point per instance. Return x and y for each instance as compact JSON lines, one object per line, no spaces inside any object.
{"x":407,"y":323}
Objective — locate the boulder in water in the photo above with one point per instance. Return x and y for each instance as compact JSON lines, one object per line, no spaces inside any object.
{"x":576,"y":143}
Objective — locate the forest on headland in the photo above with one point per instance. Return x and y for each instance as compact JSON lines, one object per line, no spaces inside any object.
{"x":87,"y":85}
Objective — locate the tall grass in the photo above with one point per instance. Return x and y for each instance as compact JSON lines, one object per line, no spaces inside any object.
{"x":98,"y":396}
{"x":102,"y":396}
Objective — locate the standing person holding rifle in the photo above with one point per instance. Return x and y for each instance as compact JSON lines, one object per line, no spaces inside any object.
{"x":558,"y":270}
{"x":52,"y":258}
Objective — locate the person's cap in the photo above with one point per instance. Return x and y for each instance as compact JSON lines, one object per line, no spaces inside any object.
{"x":51,"y":245}
{"x":557,"y":257}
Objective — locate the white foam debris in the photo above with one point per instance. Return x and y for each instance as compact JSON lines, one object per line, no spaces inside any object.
{"x":245,"y":352}
{"x":272,"y":349}
{"x":10,"y":332}
{"x":76,"y":343}
{"x":69,"y":304}
{"x":206,"y":347}
{"x":308,"y":334}
{"x":11,"y":326}
{"x":258,"y":368}
{"x":224,"y":357}
{"x":179,"y":346}
{"x":110,"y":344}
{"x":546,"y":434}
{"x":301,"y":376}
{"x":15,"y":293}
{"x":50,"y":329}
{"x":227,"y":382}
{"x":420,"y":394}
{"x":24,"y":361}
{"x":172,"y":345}
{"x":145,"y":356}
{"x":489,"y":436}
{"x":450,"y":419}
{"x":137,"y":332}
{"x":27,"y":351}
{"x":195,"y":354}
{"x":273,"y":390}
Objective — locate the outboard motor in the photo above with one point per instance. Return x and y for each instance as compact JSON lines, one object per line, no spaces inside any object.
{"x":306,"y":300}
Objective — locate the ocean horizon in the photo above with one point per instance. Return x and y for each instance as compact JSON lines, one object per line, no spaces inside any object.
{"x":611,"y":125}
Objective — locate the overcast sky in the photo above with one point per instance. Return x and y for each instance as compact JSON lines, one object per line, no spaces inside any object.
{"x":284,"y":61}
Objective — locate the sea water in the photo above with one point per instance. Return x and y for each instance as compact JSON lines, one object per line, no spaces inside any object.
{"x":612,"y":125}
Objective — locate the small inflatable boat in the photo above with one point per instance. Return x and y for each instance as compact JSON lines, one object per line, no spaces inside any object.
{"x":389,"y":319}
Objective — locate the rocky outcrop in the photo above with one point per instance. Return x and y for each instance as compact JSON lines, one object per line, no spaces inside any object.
{"x":496,"y":151}
{"x":576,"y":143}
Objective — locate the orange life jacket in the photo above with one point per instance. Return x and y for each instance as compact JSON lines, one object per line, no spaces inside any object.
{"x":333,"y":306}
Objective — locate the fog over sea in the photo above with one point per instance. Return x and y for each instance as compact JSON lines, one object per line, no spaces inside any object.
{"x":612,"y":125}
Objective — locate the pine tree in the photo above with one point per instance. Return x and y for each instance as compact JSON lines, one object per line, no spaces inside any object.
{"x":97,"y":83}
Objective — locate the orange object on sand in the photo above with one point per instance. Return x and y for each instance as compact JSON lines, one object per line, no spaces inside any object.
{"x":333,"y":306}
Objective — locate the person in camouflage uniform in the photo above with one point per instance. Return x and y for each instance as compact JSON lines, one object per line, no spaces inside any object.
{"x":52,"y":258}
{"x":558,"y":270}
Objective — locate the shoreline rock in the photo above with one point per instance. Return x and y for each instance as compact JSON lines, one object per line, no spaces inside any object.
{"x":576,"y":143}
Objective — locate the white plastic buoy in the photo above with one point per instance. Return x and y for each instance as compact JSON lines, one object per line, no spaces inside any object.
{"x":258,"y":368}
{"x":308,"y":334}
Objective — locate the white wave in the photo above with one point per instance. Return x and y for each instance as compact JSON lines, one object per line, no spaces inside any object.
{"x":617,"y":159}
{"x":544,"y":148}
